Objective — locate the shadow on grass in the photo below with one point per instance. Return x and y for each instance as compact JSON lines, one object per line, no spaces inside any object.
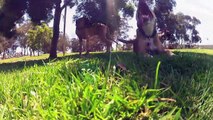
{"x":13,"y":66}
{"x":9,"y":67}
{"x":179,"y":62}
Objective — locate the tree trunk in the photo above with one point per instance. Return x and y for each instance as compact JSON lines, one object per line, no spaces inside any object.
{"x":31,"y":53}
{"x":4,"y":55}
{"x":57,"y":16}
{"x":65,"y":18}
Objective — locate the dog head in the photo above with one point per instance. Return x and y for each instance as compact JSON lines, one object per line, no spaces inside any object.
{"x":144,"y":14}
{"x":146,"y":19}
{"x":82,"y":23}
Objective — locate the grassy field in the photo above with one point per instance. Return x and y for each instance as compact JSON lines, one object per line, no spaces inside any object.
{"x":179,"y":87}
{"x":204,"y":51}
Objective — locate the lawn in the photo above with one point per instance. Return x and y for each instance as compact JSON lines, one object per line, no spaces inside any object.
{"x":179,"y":87}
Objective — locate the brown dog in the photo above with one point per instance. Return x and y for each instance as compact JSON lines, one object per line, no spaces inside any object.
{"x":86,"y":30}
{"x":147,"y":41}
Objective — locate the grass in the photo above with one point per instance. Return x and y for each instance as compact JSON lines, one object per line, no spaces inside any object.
{"x":179,"y":87}
{"x":29,"y":58}
{"x":204,"y":51}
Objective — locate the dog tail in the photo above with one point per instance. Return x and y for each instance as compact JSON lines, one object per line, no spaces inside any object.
{"x":127,"y":41}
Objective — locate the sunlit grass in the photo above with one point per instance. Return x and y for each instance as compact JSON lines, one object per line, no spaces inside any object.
{"x":78,"y":89}
{"x":179,"y":87}
{"x":29,"y":58}
{"x":206,"y":51}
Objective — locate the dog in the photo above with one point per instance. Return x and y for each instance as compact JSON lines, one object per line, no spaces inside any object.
{"x":147,"y":40}
{"x":86,"y":30}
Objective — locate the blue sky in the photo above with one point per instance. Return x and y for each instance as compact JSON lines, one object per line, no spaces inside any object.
{"x":201,"y":9}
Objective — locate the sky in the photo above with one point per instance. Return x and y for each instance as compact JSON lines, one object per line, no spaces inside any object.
{"x":201,"y":9}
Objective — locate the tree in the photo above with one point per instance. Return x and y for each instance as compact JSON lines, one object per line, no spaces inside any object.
{"x":57,"y":16}
{"x":21,"y":35}
{"x":181,"y":29}
{"x":176,"y":28}
{"x":39,"y":38}
{"x":10,"y":13}
{"x":63,"y":43}
{"x":45,"y":13}
{"x":13,"y":10}
{"x":5,"y":44}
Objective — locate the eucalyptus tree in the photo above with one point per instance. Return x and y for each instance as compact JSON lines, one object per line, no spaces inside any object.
{"x":39,"y":38}
{"x":176,"y":28}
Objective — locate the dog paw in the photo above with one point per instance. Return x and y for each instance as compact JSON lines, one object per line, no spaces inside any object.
{"x":172,"y":54}
{"x":148,"y":56}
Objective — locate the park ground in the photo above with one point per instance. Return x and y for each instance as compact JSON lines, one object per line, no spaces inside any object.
{"x":70,"y":87}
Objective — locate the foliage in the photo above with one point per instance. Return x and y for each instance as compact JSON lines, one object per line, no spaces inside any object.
{"x":10,"y":13}
{"x":39,"y":38}
{"x":176,"y":27}
{"x":21,"y":35}
{"x":44,"y":13}
{"x":5,"y":45}
{"x":13,"y":10}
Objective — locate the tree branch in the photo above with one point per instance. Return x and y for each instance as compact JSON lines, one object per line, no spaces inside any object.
{"x":67,"y":2}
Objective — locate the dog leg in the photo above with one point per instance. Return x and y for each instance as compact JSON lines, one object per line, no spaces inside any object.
{"x":160,"y":47}
{"x":140,"y":45}
{"x":87,"y":45}
{"x":80,"y":46}
{"x":108,"y":44}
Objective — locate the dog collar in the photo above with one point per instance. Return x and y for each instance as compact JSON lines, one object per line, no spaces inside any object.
{"x":147,"y":36}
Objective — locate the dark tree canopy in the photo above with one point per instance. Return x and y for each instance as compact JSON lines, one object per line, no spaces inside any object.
{"x":40,"y":10}
{"x":11,"y":11}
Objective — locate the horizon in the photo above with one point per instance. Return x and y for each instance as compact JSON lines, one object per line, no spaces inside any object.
{"x":199,"y":9}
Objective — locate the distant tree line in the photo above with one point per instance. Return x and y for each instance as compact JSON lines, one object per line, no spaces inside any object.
{"x":31,"y":39}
